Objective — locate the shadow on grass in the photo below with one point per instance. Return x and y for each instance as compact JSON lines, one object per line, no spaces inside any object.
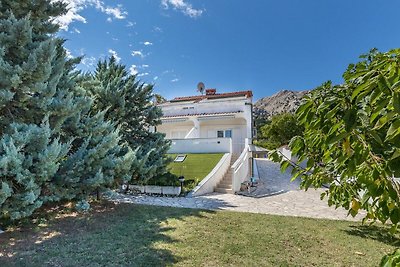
{"x":378,"y":233}
{"x":110,"y":235}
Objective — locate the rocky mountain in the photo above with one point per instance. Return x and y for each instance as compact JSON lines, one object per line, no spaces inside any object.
{"x":283,"y":101}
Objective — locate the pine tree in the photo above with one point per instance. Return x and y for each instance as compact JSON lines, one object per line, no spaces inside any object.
{"x":129,"y":105}
{"x":51,"y":147}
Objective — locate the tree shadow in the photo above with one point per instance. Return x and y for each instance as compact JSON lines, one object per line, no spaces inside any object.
{"x":378,"y":233}
{"x":110,"y":235}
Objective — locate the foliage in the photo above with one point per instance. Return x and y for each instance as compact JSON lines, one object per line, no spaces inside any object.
{"x":166,"y":179}
{"x":128,"y":104}
{"x":159,"y":99}
{"x":352,"y":138}
{"x":279,"y":131}
{"x":391,"y":260}
{"x":51,"y":147}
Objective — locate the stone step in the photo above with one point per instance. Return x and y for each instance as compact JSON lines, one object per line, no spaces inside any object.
{"x":225,"y":186}
{"x":226,"y":181}
{"x":224,"y":190}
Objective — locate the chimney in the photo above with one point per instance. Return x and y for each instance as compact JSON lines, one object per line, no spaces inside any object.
{"x":211,"y":91}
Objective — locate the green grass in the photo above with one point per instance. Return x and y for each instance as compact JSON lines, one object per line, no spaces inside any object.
{"x":135,"y":235}
{"x":195,"y":167}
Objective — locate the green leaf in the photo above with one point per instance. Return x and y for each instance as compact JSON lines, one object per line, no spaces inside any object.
{"x":284,"y":166}
{"x":367,"y":87}
{"x":376,"y":137}
{"x":396,"y":154}
{"x":350,"y":119}
{"x":394,"y":130}
{"x":395,"y":216}
{"x":396,"y":101}
{"x":336,"y":138}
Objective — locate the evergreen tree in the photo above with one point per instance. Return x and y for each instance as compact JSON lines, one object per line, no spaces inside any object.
{"x":51,"y":147}
{"x":129,"y":105}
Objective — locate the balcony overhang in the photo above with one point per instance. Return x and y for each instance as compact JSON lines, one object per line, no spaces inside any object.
{"x":173,"y":120}
{"x":201,"y":116}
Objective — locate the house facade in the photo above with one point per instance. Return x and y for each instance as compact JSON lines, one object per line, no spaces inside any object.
{"x":212,"y":116}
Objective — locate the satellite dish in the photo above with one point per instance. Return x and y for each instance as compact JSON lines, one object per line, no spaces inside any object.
{"x":201,"y":87}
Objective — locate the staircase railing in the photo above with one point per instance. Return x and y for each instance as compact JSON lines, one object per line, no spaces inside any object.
{"x":241,"y":168}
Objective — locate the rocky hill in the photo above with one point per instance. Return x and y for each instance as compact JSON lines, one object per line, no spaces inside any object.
{"x":283,"y":101}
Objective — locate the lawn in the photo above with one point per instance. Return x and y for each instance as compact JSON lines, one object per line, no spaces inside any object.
{"x":195,"y":167}
{"x":135,"y":235}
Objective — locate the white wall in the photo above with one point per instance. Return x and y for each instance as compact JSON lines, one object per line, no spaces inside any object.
{"x":208,"y":184}
{"x":208,"y":145}
{"x":238,"y":134}
{"x":171,"y":131}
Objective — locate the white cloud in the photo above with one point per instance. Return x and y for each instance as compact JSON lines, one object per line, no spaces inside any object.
{"x":76,"y":6}
{"x":175,"y":80}
{"x":144,"y":66}
{"x":157,"y":29}
{"x":89,"y":61}
{"x":68,"y":53}
{"x":155,"y":78}
{"x":116,"y":12}
{"x":183,"y":6}
{"x":109,"y":19}
{"x":114,"y":54}
{"x":143,"y":74}
{"x":137,"y":53}
{"x":147,"y":43}
{"x":130,"y":24}
{"x":133,"y":70}
{"x":76,"y":30}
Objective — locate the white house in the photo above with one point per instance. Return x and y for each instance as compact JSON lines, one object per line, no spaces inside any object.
{"x":213,"y":123}
{"x":213,"y":115}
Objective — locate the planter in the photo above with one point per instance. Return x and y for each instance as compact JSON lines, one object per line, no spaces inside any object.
{"x":153,"y":189}
{"x":137,"y":188}
{"x":171,"y":190}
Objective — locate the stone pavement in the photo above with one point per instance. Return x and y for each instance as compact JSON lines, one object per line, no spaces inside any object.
{"x":292,"y":203}
{"x":272,"y":181}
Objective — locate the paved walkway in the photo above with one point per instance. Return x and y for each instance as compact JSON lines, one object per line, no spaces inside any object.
{"x":275,"y":194}
{"x":272,"y":181}
{"x":292,"y":203}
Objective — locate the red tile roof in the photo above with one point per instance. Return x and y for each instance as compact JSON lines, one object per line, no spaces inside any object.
{"x":213,"y":96}
{"x":202,"y":114}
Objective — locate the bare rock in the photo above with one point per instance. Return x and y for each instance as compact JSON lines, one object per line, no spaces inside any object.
{"x":283,"y":101}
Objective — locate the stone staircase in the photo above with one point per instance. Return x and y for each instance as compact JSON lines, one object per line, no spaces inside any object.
{"x":225,"y":185}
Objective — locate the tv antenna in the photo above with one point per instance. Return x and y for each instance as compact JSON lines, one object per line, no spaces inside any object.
{"x":201,"y":87}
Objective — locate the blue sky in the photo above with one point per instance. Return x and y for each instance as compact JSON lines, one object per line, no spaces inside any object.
{"x":231,"y":45}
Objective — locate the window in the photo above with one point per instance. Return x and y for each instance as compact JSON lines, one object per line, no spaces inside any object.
{"x":180,"y":158}
{"x":226,"y":134}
